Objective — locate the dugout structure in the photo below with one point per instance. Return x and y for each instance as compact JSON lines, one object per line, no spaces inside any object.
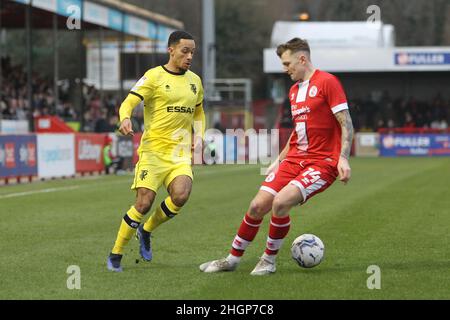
{"x":229,"y":103}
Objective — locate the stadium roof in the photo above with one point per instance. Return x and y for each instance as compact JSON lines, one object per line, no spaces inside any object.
{"x":111,"y":14}
{"x":132,"y":9}
{"x":355,"y":47}
{"x":337,"y":34}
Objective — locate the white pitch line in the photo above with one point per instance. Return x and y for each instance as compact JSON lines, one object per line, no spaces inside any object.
{"x":223,"y":170}
{"x":27,"y":193}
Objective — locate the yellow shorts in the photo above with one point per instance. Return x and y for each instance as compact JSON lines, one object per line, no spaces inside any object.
{"x":152,"y":170}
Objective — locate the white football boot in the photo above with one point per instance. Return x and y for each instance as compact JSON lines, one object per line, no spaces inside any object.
{"x":218,"y":266}
{"x":263,"y":267}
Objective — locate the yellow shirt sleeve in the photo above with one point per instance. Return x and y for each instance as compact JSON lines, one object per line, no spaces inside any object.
{"x":145,"y":86}
{"x":199,"y":114}
{"x":142,"y":90}
{"x":200,"y":93}
{"x":199,"y":122}
{"x":127,"y":106}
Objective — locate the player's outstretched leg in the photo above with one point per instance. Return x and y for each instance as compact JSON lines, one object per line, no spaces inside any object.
{"x":248,"y":230}
{"x":163,"y":213}
{"x":280,"y":223}
{"x":246,"y":233}
{"x":127,"y":228}
{"x":145,"y":245}
{"x":279,"y":227}
{"x":113,"y":262}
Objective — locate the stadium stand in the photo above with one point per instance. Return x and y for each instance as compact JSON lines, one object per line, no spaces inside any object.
{"x":100,"y":115}
{"x":400,"y":113}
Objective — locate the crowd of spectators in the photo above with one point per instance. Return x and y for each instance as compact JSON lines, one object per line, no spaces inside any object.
{"x":383,"y":111}
{"x":380,"y":111}
{"x":14,"y":97}
{"x":376,"y":111}
{"x":101,"y":111}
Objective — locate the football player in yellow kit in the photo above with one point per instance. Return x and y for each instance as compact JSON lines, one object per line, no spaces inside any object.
{"x":172,"y":96}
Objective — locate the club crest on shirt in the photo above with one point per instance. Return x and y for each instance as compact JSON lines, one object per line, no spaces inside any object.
{"x":313,"y":91}
{"x":194,"y":88}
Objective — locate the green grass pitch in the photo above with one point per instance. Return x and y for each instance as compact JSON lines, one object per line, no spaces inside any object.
{"x":395,"y":213}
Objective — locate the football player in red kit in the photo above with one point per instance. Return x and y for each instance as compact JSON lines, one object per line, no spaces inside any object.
{"x":316,"y":154}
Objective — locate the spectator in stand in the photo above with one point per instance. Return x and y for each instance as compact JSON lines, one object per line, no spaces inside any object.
{"x":89,"y":123}
{"x":409,"y":121}
{"x":96,"y":106}
{"x":380,"y":124}
{"x":391,"y":123}
{"x":439,"y":124}
{"x":3,"y":105}
{"x":420,"y":121}
{"x":113,"y":121}
{"x":68,"y":113}
{"x":112,"y":104}
{"x":102,"y":124}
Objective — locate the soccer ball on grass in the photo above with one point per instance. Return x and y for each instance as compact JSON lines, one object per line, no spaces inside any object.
{"x":307,"y":250}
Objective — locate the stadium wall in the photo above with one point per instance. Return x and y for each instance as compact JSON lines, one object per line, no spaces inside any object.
{"x":425,"y":145}
{"x":48,"y":156}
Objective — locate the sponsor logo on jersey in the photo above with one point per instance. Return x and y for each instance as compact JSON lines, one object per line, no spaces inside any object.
{"x":313,"y":91}
{"x":302,"y":110}
{"x":181,"y":109}
{"x":193,"y":88}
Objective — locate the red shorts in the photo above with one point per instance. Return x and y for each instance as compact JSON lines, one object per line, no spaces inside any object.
{"x":310,"y":176}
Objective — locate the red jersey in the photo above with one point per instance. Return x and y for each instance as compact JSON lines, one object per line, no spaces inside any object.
{"x":317,"y":133}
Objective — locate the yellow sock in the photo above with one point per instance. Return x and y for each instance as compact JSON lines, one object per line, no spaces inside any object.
{"x":165,"y":211}
{"x":128,"y":227}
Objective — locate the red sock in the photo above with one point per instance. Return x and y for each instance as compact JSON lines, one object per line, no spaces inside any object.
{"x":279,"y":228}
{"x":246,"y":233}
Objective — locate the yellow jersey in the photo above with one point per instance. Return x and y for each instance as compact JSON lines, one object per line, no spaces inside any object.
{"x":170,"y":101}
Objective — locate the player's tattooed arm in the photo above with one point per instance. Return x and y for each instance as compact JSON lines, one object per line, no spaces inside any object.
{"x":344,"y":119}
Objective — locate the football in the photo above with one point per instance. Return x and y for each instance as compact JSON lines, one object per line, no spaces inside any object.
{"x":307,"y":250}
